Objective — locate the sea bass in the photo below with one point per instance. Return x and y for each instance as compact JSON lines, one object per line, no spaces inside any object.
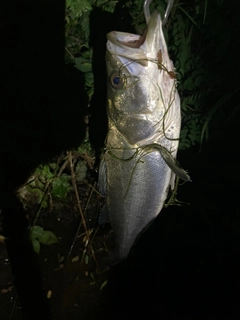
{"x":144,"y":126}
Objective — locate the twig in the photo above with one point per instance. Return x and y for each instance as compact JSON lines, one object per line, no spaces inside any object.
{"x":93,"y":188}
{"x":88,"y":243}
{"x":41,"y":203}
{"x":78,"y":200}
{"x":63,"y":167}
{"x":90,"y":196}
{"x":69,"y":53}
{"x":90,"y":160}
{"x":74,"y":240}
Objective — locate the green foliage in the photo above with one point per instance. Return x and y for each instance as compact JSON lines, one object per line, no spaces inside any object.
{"x":191,"y":74}
{"x":61,"y":186}
{"x":37,"y":195}
{"x":78,"y":51}
{"x":81,"y":171}
{"x":103,"y":284}
{"x":50,"y":185}
{"x":39,"y":235}
{"x":77,"y":8}
{"x":44,"y":173}
{"x":86,"y":259}
{"x":85,"y":147}
{"x":51,"y":179}
{"x":34,"y":191}
{"x":199,"y":43}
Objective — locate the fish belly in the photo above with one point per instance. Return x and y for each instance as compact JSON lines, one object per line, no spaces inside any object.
{"x":136,"y":191}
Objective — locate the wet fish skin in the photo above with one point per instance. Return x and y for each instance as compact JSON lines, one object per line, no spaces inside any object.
{"x":143,"y":109}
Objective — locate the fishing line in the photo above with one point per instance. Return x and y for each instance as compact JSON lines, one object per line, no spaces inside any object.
{"x":146,"y":10}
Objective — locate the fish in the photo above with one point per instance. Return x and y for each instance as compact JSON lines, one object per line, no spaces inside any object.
{"x":144,"y":120}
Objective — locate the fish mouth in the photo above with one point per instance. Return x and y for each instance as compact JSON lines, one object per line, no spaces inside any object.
{"x":136,"y":47}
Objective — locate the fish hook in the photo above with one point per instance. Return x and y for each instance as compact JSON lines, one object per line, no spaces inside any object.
{"x":146,"y":6}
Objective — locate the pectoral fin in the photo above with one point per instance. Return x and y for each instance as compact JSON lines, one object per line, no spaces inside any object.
{"x":170,"y":161}
{"x":173,"y":164}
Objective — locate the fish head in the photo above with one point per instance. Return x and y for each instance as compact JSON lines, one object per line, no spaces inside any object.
{"x":141,"y":82}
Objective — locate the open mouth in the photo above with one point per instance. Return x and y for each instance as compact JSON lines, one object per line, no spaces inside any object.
{"x":135,"y":47}
{"x":133,"y":41}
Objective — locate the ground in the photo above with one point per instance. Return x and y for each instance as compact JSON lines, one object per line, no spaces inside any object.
{"x":70,"y":273}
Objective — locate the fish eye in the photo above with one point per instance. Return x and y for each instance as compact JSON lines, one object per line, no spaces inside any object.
{"x":116,"y":81}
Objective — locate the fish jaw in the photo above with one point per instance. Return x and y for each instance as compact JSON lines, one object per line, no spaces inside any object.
{"x":136,"y":47}
{"x":143,"y":109}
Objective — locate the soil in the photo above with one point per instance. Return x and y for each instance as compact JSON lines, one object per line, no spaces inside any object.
{"x":70,"y":273}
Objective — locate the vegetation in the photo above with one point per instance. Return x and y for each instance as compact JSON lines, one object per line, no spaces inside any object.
{"x":50,"y":185}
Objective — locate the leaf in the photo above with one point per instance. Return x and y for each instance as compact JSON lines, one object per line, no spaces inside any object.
{"x":61,"y":186}
{"x":53,"y":166}
{"x":37,"y":230}
{"x":83,"y":65}
{"x":44,"y":173}
{"x":85,"y":147}
{"x":75,"y":259}
{"x":89,"y":79}
{"x":48,"y":237}
{"x":78,"y":7}
{"x":38,"y":234}
{"x":103,"y":284}
{"x":47,"y":172}
{"x":2,"y":239}
{"x":81,"y":171}
{"x":36,"y":245}
{"x":109,"y":6}
{"x":49,"y":294}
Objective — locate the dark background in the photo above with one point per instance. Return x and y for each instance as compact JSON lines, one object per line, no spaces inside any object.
{"x":41,"y":115}
{"x":186,"y":266}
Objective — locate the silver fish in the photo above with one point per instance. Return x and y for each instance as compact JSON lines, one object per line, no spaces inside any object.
{"x":144,"y":126}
